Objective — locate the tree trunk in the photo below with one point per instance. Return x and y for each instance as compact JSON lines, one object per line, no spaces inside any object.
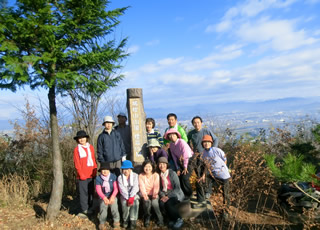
{"x":57,"y":185}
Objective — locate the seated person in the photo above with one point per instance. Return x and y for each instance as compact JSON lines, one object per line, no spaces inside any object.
{"x":107,"y":189}
{"x":128,"y":183}
{"x":170,"y":193}
{"x":149,"y":185}
{"x":155,"y":151}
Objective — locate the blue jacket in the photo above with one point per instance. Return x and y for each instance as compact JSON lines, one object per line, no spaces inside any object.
{"x":112,"y":178}
{"x":110,"y":147}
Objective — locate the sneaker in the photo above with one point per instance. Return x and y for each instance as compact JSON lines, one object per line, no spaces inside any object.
{"x":178,"y":224}
{"x":125,"y":224}
{"x":160,"y":223}
{"x":82,"y":215}
{"x":208,"y":195}
{"x":199,"y":205}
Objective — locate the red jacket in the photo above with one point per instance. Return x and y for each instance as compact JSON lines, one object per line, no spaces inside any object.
{"x":83,"y":171}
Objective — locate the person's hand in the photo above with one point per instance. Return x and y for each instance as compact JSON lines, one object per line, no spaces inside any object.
{"x":130,"y":201}
{"x":185,"y":171}
{"x":106,"y":201}
{"x":154,"y":197}
{"x":165,"y":199}
{"x":178,"y":172}
{"x":111,"y":200}
{"x":202,"y":179}
{"x":145,"y":197}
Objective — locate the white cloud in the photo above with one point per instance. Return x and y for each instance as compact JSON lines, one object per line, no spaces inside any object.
{"x":153,"y":42}
{"x":133,"y":49}
{"x":279,"y":33}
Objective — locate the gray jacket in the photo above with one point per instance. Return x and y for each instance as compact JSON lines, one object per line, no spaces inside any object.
{"x":176,"y":189}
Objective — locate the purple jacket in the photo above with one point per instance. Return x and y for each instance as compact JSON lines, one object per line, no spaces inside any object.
{"x":160,"y":153}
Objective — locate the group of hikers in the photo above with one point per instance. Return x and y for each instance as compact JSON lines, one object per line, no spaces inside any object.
{"x":164,"y":180}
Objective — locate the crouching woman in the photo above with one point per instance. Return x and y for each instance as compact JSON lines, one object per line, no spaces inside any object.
{"x":170,"y":193}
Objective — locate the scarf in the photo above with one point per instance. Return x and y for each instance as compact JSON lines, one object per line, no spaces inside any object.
{"x":82,"y":153}
{"x":125,"y":181}
{"x":106,"y":184}
{"x":164,"y":180}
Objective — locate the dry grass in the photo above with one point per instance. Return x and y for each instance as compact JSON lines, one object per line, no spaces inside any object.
{"x":14,"y":190}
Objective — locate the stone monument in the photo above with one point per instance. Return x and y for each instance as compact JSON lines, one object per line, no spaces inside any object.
{"x":137,"y":118}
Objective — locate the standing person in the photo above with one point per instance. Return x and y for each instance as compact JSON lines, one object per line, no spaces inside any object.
{"x":86,"y":167}
{"x":128,"y":183}
{"x":170,"y":193}
{"x":110,"y":147}
{"x":181,"y":154}
{"x":218,"y":173}
{"x":107,"y":189}
{"x":153,"y":133}
{"x":149,"y":185}
{"x":173,"y":123}
{"x":195,"y":136}
{"x":125,"y":132}
{"x":155,"y":151}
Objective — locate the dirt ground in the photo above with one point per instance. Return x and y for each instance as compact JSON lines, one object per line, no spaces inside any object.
{"x":32,"y":217}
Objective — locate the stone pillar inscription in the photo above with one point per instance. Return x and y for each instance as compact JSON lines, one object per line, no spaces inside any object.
{"x":137,"y":119}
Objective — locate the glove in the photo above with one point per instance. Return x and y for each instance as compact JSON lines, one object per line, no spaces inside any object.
{"x":130,"y":201}
{"x":123,"y":158}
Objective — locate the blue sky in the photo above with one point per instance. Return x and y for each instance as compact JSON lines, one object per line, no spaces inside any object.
{"x":187,"y":52}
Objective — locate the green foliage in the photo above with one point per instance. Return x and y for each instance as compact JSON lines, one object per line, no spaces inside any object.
{"x":291,"y":169}
{"x":316,"y":133}
{"x":47,"y":43}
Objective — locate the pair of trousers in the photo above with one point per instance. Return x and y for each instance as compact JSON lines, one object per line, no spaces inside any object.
{"x":131,"y":211}
{"x":215,"y":182}
{"x":154,"y":203}
{"x":104,"y":212}
{"x":170,"y":208}
{"x":86,"y":190}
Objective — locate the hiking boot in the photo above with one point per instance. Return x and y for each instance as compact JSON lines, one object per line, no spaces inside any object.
{"x":133,"y":224}
{"x":82,"y":215}
{"x":178,"y":224}
{"x":160,"y":223}
{"x":147,"y":222}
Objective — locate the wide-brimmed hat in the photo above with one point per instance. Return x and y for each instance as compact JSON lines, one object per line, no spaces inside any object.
{"x":104,"y":166}
{"x":163,"y":160}
{"x":207,"y":138}
{"x":122,"y":114}
{"x":172,"y":130}
{"x":81,"y":134}
{"x":127,"y":165}
{"x":107,"y":119}
{"x":153,"y":143}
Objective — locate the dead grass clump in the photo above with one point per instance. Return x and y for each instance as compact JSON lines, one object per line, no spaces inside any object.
{"x":14,"y":190}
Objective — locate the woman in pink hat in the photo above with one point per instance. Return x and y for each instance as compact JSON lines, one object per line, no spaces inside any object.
{"x":181,"y":154}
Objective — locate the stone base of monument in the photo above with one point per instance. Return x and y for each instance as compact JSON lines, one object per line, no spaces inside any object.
{"x":186,"y":210}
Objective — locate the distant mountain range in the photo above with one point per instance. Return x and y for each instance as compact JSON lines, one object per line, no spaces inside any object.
{"x":304,"y":105}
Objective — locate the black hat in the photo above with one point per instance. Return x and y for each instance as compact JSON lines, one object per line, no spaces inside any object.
{"x":104,"y":165}
{"x":80,"y":134}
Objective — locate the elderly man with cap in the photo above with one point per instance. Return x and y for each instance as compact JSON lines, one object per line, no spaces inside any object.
{"x":110,"y":147}
{"x":124,"y":131}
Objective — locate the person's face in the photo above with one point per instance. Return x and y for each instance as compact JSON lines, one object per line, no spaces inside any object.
{"x":108,"y":125}
{"x":163,"y":167}
{"x":122,"y":120}
{"x":153,"y":149}
{"x":149,"y":126}
{"x":82,"y":140}
{"x":197,"y":124}
{"x":207,"y":144}
{"x":105,"y":172}
{"x":172,"y":121}
{"x":147,"y":169}
{"x":173,"y":137}
{"x":126,"y":172}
